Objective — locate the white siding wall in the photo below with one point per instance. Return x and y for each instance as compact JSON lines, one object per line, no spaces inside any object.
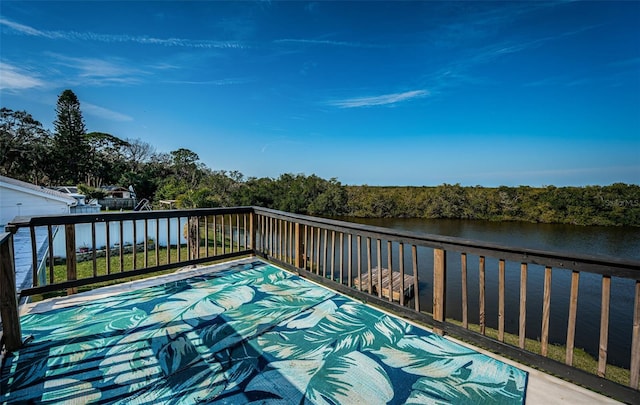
{"x":14,"y":203}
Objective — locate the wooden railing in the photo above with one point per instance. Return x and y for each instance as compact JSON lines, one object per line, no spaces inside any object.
{"x":425,"y":278}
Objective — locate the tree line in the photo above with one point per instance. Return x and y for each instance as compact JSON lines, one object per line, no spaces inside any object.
{"x":71,"y":155}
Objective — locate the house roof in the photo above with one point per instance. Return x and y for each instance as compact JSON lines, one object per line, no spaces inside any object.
{"x":18,"y":185}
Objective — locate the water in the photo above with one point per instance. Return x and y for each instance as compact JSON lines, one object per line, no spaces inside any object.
{"x":619,"y":242}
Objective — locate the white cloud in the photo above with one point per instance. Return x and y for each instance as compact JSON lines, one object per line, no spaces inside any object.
{"x":14,"y":78}
{"x":326,"y":42}
{"x":379,"y":100}
{"x":113,"y":38}
{"x":105,"y":113}
{"x":99,"y":71}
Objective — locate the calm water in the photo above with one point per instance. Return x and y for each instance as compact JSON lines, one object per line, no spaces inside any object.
{"x":621,"y":242}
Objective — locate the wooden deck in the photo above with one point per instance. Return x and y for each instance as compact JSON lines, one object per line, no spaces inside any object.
{"x":388,"y":283}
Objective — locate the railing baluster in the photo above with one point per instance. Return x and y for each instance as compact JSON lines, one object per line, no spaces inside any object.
{"x":416,"y":283}
{"x":121,"y":250}
{"x":370,"y":277}
{"x":341,"y":257}
{"x":237,"y":233}
{"x":604,"y":326}
{"x":401,"y":268}
{"x":318,"y":251}
{"x":107,"y":253}
{"x":634,"y":372}
{"x":94,"y":249}
{"x":157,"y":242}
{"x":350,"y":260}
{"x":145,"y":243}
{"x":481,"y":270}
{"x":311,"y":247}
{"x":206,"y":235}
{"x":70,"y":245}
{"x":390,"y":267}
{"x":279,"y":233}
{"x":50,"y":251}
{"x":306,"y":244}
{"x":522,"y":338}
{"x":215,"y":235}
{"x":34,"y":256}
{"x":135,"y":245}
{"x":501,"y":300}
{"x":169,"y":238}
{"x":546,"y":312}
{"x":325,"y":250}
{"x":244,"y":231}
{"x":178,"y":234}
{"x":571,"y":322}
{"x":359,"y":257}
{"x":465,"y":305}
{"x":333,"y":255}
{"x":379,"y":264}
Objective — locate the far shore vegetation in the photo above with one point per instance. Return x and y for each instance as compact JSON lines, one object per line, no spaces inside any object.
{"x":70,"y":155}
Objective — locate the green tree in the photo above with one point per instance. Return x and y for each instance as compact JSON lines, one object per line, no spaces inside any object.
{"x":24,"y":147}
{"x":106,"y":157}
{"x":71,"y":149}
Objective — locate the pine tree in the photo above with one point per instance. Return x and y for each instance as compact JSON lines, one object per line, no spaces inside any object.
{"x":70,"y":145}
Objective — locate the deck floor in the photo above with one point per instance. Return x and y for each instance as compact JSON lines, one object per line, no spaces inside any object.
{"x":241,"y":332}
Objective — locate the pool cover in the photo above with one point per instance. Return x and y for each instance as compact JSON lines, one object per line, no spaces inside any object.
{"x":251,"y":332}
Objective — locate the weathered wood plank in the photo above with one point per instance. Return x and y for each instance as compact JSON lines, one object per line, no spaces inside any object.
{"x":439,"y":286}
{"x":571,"y":322}
{"x":390,"y":266}
{"x":546,"y":312}
{"x":465,"y":304}
{"x":481,"y":281}
{"x":51,"y":258}
{"x":70,"y":250}
{"x":379,"y":262}
{"x":501,"y":265}
{"x":522,"y":337}
{"x":395,"y":278}
{"x":604,"y":326}
{"x":8,"y":299}
{"x":34,"y":256}
{"x":634,"y":372}
{"x":401,"y":266}
{"x":416,"y":282}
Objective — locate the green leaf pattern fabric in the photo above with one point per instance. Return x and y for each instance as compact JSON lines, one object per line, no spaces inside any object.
{"x":252,"y":333}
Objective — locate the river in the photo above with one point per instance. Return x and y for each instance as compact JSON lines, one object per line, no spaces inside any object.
{"x":620,"y":242}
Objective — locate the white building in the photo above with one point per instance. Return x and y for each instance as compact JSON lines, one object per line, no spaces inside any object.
{"x":18,"y":198}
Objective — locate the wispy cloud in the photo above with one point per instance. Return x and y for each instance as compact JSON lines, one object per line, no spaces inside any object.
{"x":14,"y":78}
{"x":99,"y":71}
{"x":116,"y":38}
{"x":327,"y":43}
{"x":220,"y":82}
{"x":105,"y":113}
{"x":384,"y":99}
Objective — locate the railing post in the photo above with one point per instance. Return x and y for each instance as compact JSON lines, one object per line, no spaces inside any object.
{"x":439,"y":286}
{"x":299,"y":247}
{"x":252,"y":231}
{"x":8,"y":298}
{"x":193,"y":240}
{"x":70,"y":238}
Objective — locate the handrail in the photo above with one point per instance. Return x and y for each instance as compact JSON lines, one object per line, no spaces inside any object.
{"x":383,"y":266}
{"x":601,"y":264}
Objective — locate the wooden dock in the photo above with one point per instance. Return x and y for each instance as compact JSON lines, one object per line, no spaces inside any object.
{"x":395,"y":283}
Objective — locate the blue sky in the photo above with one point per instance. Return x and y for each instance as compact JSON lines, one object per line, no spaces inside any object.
{"x":381,"y":93}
